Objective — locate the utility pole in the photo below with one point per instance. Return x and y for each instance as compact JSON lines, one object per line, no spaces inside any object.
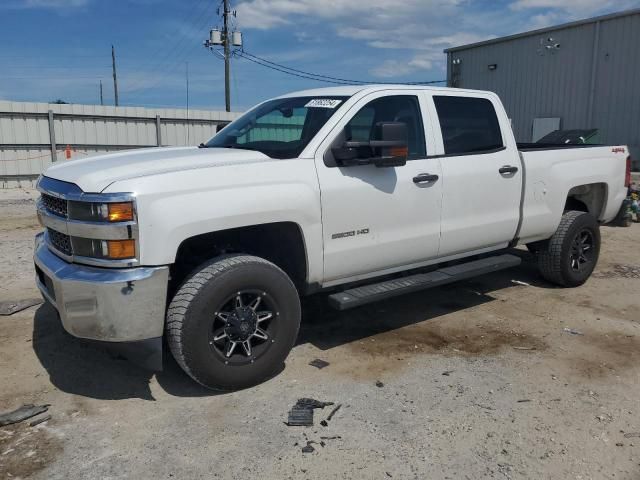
{"x":101,"y":97}
{"x":226,"y":38}
{"x":115,"y":77}
{"x":188,"y":122}
{"x":227,"y":66}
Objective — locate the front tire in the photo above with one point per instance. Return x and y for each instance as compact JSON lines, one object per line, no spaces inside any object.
{"x":232,"y":323}
{"x":569,"y":257}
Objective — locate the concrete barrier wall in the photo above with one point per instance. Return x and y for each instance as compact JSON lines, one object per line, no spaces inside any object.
{"x":33,"y":135}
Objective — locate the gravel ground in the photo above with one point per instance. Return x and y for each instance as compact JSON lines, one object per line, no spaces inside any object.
{"x":476,"y":380}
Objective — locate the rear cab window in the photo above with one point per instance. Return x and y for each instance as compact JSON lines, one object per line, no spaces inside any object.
{"x":469,"y":125}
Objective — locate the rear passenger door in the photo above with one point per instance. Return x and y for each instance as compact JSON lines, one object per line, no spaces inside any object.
{"x":481,"y":172}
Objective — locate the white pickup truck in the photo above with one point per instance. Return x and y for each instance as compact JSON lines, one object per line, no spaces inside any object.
{"x":364,"y":192}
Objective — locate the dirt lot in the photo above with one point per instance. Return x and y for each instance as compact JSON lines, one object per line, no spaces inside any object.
{"x":478,"y":380}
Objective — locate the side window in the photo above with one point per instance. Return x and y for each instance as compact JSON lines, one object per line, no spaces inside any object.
{"x":398,"y":108}
{"x":469,"y":125}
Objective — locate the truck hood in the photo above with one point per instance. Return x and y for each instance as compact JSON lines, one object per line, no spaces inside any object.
{"x":97,"y":173}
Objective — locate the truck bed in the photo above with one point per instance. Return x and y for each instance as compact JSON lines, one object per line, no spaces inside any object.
{"x":528,"y":147}
{"x":552,"y":171}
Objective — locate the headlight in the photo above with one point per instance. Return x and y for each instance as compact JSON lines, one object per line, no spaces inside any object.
{"x":101,"y":212}
{"x":104,"y":249}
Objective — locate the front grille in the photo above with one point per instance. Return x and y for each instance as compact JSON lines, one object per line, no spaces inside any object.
{"x":55,"y":205}
{"x":60,"y":241}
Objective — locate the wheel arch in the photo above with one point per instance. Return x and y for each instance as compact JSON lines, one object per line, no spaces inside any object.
{"x":281,"y":243}
{"x":590,"y":198}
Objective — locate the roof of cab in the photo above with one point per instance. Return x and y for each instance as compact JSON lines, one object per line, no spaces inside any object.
{"x":350,"y":90}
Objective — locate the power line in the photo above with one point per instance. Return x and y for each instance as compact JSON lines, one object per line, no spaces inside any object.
{"x":319,"y":77}
{"x":289,"y":72}
{"x":178,"y":49}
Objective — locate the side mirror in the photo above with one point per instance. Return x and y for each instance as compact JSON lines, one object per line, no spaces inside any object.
{"x":390,"y":149}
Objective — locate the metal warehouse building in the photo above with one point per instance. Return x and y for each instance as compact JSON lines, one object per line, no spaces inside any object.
{"x":579,"y":75}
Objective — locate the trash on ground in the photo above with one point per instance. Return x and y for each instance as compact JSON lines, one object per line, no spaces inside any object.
{"x":14,"y":306}
{"x":333,"y":412}
{"x":572,"y":331}
{"x":448,"y":372}
{"x":524,"y":348}
{"x":22,"y":413}
{"x":301,"y":414}
{"x":300,"y":417}
{"x":325,"y":422}
{"x":40,"y":420}
{"x":319,"y":363}
{"x":518,"y":282}
{"x":486,"y":407}
{"x":308,"y":448}
{"x":335,"y":437}
{"x":632,"y":435}
{"x":524,"y":400}
{"x":311,"y":403}
{"x":379,"y":384}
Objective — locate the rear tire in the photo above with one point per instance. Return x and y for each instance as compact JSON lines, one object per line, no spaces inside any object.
{"x":570,"y":255}
{"x":233,"y":322}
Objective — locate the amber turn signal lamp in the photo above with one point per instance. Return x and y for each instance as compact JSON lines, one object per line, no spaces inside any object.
{"x":119,"y":249}
{"x":120,"y":212}
{"x":399,"y":151}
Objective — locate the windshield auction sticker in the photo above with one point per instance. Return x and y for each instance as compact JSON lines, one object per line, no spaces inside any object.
{"x":323,"y":103}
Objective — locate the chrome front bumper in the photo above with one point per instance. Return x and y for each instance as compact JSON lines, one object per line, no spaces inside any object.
{"x":105,"y":304}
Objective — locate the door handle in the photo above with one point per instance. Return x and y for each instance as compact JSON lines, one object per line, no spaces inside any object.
{"x":507,"y":169}
{"x":425,"y":178}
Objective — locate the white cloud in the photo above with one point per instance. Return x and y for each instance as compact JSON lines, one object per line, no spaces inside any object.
{"x":419,"y":30}
{"x":575,"y":8}
{"x":417,"y":27}
{"x":49,"y":4}
{"x":55,"y":3}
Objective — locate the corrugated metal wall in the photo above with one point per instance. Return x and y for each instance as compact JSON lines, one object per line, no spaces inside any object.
{"x":28,"y":131}
{"x":590,"y":81}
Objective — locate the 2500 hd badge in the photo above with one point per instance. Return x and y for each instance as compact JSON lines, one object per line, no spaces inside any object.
{"x":352,"y":233}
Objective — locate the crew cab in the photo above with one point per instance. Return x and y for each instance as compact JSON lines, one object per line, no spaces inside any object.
{"x":362,"y":192}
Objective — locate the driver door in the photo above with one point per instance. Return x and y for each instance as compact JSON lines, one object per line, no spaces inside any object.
{"x":377,"y":220}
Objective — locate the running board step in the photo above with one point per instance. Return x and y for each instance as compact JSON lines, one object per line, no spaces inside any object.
{"x":355,"y":297}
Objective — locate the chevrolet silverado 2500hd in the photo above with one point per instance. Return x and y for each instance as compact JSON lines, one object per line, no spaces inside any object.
{"x":364,"y":192}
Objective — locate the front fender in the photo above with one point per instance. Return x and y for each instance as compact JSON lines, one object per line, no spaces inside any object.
{"x":175,"y":207}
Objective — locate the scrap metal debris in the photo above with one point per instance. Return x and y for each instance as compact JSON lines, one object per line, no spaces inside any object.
{"x":333,"y":412}
{"x":318,"y":363}
{"x":572,"y":331}
{"x":308,"y":448}
{"x":14,"y":306}
{"x":325,"y":422}
{"x":40,"y":420}
{"x":22,"y":413}
{"x":379,"y":384}
{"x":301,"y":414}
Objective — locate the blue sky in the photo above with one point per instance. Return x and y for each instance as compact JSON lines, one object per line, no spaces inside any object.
{"x":62,"y":48}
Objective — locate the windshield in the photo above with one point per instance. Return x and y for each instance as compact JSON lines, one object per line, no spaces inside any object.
{"x":279,"y":128}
